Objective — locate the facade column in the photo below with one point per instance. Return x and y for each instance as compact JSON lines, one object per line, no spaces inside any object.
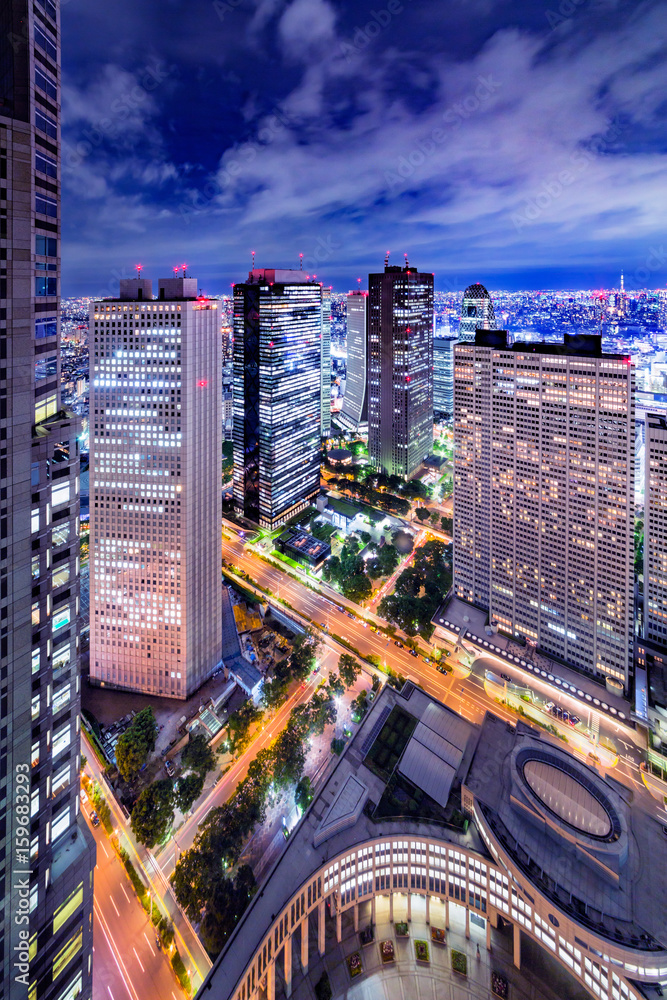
{"x":428,"y":908}
{"x":447,"y":914}
{"x":409,"y":905}
{"x":373,"y":909}
{"x":304,"y":944}
{"x":288,"y":965}
{"x":271,"y":981}
{"x":339,"y":926}
{"x":467,"y":922}
{"x":488,"y":934}
{"x":320,"y":927}
{"x":356,"y":916}
{"x":517,"y":946}
{"x":391,"y":907}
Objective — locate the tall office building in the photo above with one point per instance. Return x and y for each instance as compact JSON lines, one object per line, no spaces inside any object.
{"x":277,"y":394}
{"x":477,"y":312}
{"x":400,"y":369}
{"x":655,"y":529}
{"x":47,"y":854}
{"x":325,"y":363}
{"x":155,"y":498}
{"x":543,"y":494}
{"x":443,"y":376}
{"x":355,"y":400}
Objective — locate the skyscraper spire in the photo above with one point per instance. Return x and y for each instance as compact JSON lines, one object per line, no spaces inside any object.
{"x":622,"y":287}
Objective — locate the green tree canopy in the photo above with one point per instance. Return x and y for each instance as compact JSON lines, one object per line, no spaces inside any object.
{"x":349,"y":669}
{"x":188,"y":791}
{"x":422,"y":513}
{"x":135,"y":744}
{"x":303,"y":794}
{"x":198,"y":755}
{"x":153,"y":813}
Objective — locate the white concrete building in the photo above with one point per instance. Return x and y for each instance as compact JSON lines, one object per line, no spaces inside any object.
{"x":655,"y":529}
{"x":155,"y":501}
{"x":543,"y":495}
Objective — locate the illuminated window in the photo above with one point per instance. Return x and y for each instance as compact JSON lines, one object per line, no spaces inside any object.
{"x":61,"y":823}
{"x":66,"y":954}
{"x":64,"y":912}
{"x":46,"y":408}
{"x":61,"y":618}
{"x":60,"y":577}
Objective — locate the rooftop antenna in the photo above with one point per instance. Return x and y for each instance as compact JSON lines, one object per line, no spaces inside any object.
{"x":138,"y":268}
{"x":301,"y":262}
{"x":406,"y":260}
{"x":176,"y":270}
{"x":184,"y":269}
{"x":386,"y":258}
{"x":253,"y":259}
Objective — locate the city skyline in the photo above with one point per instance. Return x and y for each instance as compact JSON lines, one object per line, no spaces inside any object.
{"x":518,"y":147}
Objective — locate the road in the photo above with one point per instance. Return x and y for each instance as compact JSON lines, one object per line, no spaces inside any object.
{"x":190,"y":947}
{"x":464,"y":694}
{"x":127,"y":963}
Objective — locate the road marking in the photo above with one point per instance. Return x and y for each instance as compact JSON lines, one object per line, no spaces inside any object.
{"x":125,"y":894}
{"x":101,"y":844}
{"x":114,"y":905}
{"x":124,"y":974}
{"x":110,"y":993}
{"x":137,"y":957}
{"x":149,"y":944}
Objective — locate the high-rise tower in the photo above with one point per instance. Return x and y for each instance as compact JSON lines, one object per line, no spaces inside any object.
{"x":277,"y":394}
{"x":477,"y":312}
{"x":326,"y":363}
{"x":443,"y":376}
{"x":155,"y":498}
{"x":355,"y":400}
{"x":543,"y":494}
{"x":400,"y":369}
{"x":47,"y":854}
{"x":655,"y":530}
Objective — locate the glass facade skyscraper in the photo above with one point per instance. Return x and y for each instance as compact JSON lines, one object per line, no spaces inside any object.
{"x":477,"y":312}
{"x":355,"y":401}
{"x":400,"y":369}
{"x":47,"y":853}
{"x":325,"y":362}
{"x":443,"y":376}
{"x":277,"y":394}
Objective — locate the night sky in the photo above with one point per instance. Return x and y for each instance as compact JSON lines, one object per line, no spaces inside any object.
{"x":521,"y":143}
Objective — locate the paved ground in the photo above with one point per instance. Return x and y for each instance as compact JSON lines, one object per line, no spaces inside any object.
{"x":407,"y":979}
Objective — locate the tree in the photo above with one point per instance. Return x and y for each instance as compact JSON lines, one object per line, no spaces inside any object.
{"x":335,"y":685}
{"x":349,"y":669}
{"x":289,"y":757}
{"x":228,"y":901}
{"x":194,"y":878}
{"x":422,"y":513}
{"x":304,"y":651}
{"x":376,"y":683}
{"x":188,"y":791}
{"x":357,"y":588}
{"x":153,"y":813}
{"x":303,"y":794}
{"x":131,"y":754}
{"x":198,"y":755}
{"x":447,"y":524}
{"x":144,"y":723}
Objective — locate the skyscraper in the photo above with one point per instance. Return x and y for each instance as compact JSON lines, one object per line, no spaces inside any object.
{"x":47,"y":854}
{"x":400,"y":369}
{"x":443,"y":376}
{"x":155,"y":498}
{"x":355,"y":401}
{"x":277,"y":394}
{"x":477,"y":312}
{"x":655,"y":530}
{"x":543,"y":494}
{"x":325,"y":362}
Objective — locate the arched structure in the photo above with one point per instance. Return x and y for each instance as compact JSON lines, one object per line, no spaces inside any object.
{"x":477,"y":312}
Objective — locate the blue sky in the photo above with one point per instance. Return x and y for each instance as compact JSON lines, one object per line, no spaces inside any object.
{"x":520,"y":143}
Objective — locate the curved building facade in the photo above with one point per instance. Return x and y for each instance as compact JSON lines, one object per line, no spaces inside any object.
{"x":476,"y":312}
{"x":572,"y":825}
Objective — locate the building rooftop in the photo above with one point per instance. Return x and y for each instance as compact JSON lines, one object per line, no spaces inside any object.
{"x":579,"y":345}
{"x":301,"y":541}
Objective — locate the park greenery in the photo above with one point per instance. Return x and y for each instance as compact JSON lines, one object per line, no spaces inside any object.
{"x":197,"y":755}
{"x":207,"y":883}
{"x":153,"y":812}
{"x":419,"y":591}
{"x":348,"y":571}
{"x":135,"y":744}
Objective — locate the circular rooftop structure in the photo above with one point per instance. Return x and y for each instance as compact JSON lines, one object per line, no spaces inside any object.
{"x":567,"y":798}
{"x":569,"y":794}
